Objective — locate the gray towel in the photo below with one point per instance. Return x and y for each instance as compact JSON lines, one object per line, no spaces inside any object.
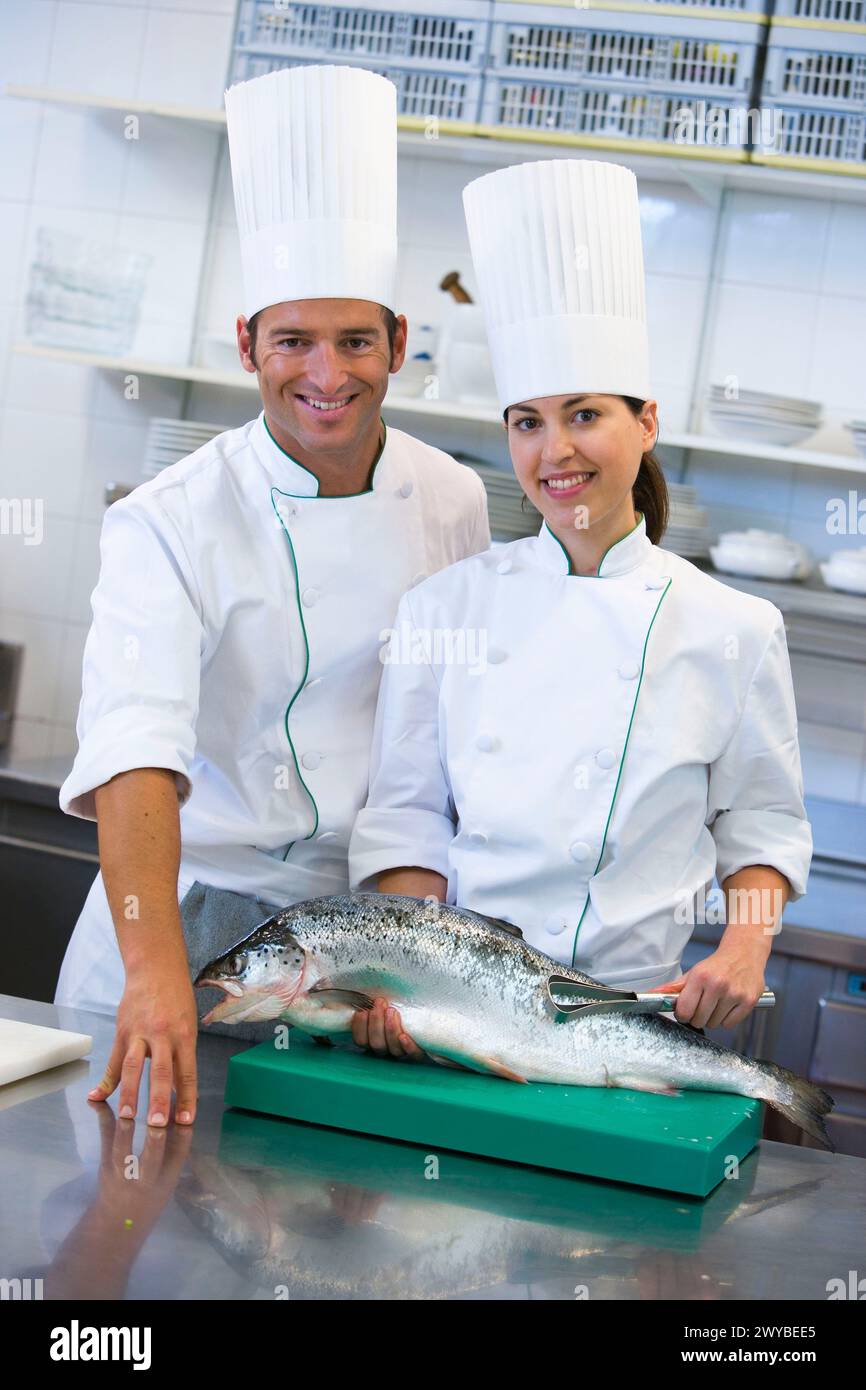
{"x":214,"y":920}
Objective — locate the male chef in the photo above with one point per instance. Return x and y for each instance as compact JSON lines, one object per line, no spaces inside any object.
{"x":232,"y":666}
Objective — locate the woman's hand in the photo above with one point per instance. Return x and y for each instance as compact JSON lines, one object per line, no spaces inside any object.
{"x":722,"y":990}
{"x":381,"y":1030}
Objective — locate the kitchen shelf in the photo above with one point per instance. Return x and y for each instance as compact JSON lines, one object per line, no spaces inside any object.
{"x":443,"y":409}
{"x":708,"y":171}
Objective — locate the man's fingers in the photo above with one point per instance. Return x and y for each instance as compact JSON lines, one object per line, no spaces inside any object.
{"x":130,"y":1077}
{"x":411,"y":1048}
{"x":376,"y":1026}
{"x":185,"y":1079}
{"x":359,"y":1028}
{"x":393,"y":1029}
{"x":161,"y":1073}
{"x":111,"y":1075}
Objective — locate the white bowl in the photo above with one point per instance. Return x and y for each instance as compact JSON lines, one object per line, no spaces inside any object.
{"x":849,"y":581}
{"x":736,"y":560}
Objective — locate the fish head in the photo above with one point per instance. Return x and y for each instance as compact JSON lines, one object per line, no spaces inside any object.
{"x":259,"y":977}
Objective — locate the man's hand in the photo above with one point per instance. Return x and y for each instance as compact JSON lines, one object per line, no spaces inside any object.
{"x":722,"y":990}
{"x":381,"y":1030}
{"x":157,"y":1018}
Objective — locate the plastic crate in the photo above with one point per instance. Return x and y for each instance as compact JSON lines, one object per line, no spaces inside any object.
{"x":607,"y":113}
{"x":816,"y":68}
{"x":682,"y":53}
{"x":821,"y":138}
{"x":827,"y":11}
{"x":450,"y":35}
{"x":424,"y":95}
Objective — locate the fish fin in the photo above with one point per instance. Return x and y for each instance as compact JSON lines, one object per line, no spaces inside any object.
{"x":643,"y":1083}
{"x":352,"y":997}
{"x":447,"y":1062}
{"x":506,"y":926}
{"x":805,"y":1104}
{"x":498,"y":1068}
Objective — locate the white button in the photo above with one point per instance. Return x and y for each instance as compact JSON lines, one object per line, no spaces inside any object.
{"x":406,"y":489}
{"x":504,"y":567}
{"x":485,"y":743}
{"x":416,"y":578}
{"x":309,"y":597}
{"x":580,"y":851}
{"x":477,"y":837}
{"x":605,"y":757}
{"x":555,"y":924}
{"x":495,"y":655}
{"x":629,"y":670}
{"x":327,"y":835}
{"x":311,"y":761}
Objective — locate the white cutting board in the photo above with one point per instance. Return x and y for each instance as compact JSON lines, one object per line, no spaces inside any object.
{"x":27,"y":1048}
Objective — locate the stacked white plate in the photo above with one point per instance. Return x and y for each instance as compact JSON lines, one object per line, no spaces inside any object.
{"x":761,"y":417}
{"x":171,"y":440}
{"x":761,"y":554}
{"x":846,"y":570}
{"x":688,"y":533}
{"x":858,"y":434}
{"x":509,"y":521}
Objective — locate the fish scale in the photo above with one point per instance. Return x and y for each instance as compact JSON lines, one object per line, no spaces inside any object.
{"x":470,"y":990}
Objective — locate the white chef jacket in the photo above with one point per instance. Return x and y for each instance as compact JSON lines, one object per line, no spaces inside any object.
{"x":589,"y":753}
{"x":236,"y":641}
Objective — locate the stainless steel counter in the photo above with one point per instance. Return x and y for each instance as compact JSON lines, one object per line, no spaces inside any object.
{"x":248,"y":1207}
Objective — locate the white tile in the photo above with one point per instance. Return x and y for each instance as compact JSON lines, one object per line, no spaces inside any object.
{"x":115,"y":454}
{"x":432,"y":211}
{"x":20,"y":123}
{"x":13,"y":232}
{"x":34,"y":579}
{"x":84,"y":572}
{"x":222,"y":298}
{"x":69,"y":681}
{"x":97,"y":48}
{"x":185,"y":57}
{"x":176,"y":248}
{"x":757,"y":485}
{"x":675,"y":312}
{"x":831,"y":761}
{"x":41,"y":456}
{"x":156,"y":341}
{"x":762,"y":338}
{"x":673,"y":408}
{"x":170,"y":169}
{"x":845,"y":257}
{"x":676,"y":231}
{"x":42,"y":642}
{"x":837,"y":353}
{"x":228,"y":408}
{"x":25,"y":40}
{"x":81,"y":160}
{"x":817,"y":493}
{"x":774,"y":241}
{"x":36,"y":382}
{"x":126,"y":398}
{"x":224,"y":210}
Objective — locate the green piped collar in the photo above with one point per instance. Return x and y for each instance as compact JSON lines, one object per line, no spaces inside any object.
{"x":626,"y":554}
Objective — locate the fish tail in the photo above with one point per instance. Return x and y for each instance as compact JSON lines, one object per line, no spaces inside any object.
{"x":800,"y":1101}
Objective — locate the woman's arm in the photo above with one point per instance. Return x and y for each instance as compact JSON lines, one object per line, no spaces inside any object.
{"x":415,"y":883}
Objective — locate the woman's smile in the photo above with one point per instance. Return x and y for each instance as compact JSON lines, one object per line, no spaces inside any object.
{"x":566,"y":485}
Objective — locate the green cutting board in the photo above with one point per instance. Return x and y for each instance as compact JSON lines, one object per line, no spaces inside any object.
{"x":676,"y":1143}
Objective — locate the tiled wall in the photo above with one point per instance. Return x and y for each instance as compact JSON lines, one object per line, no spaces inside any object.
{"x":782,"y":307}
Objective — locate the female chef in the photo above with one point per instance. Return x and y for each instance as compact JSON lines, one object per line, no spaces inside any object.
{"x":578,"y":730}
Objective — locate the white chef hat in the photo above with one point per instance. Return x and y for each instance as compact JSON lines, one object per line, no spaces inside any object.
{"x":314,"y":167}
{"x":556,"y":246}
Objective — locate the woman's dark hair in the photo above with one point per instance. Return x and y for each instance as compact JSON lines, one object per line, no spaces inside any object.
{"x":650,"y":491}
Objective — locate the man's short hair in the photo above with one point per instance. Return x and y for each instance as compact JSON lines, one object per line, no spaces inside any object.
{"x":388,"y":317}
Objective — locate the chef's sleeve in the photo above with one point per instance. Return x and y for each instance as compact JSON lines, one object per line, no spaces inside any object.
{"x":755,"y":800}
{"x":479,"y":537}
{"x":409,"y":818}
{"x":142,"y":657}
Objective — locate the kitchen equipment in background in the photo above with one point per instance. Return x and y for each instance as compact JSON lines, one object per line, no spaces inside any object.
{"x":511,"y":516}
{"x":464,"y":357}
{"x":761,"y":554}
{"x":11,"y":662}
{"x":412,"y":378}
{"x":857,"y":430}
{"x":846,"y":570}
{"x":687,"y":533}
{"x":451,"y":284}
{"x":761,"y":417}
{"x":171,"y":440}
{"x":84,"y":294}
